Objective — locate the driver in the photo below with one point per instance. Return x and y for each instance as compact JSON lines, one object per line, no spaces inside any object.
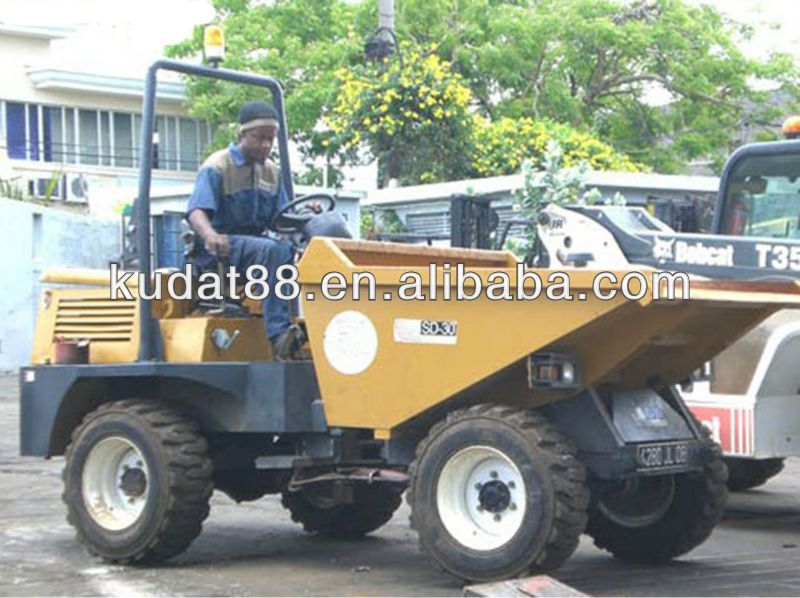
{"x":235,"y":197}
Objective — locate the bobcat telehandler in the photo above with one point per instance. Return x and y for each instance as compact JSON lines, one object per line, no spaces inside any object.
{"x":513,"y":426}
{"x":748,"y":394}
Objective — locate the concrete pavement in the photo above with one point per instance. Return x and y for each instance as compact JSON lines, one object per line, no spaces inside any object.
{"x":255,"y":549}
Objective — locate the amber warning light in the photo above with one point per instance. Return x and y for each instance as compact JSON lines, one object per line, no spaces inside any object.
{"x":214,"y":44}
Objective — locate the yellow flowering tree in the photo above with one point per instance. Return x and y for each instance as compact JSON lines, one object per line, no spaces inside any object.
{"x":413,"y":115}
{"x":504,"y":145}
{"x":418,"y":118}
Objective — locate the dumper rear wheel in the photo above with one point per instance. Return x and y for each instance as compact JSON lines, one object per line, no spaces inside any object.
{"x":137,"y":481}
{"x":744,"y":474}
{"x":658,"y":518}
{"x":496,"y":491}
{"x":317,"y":509}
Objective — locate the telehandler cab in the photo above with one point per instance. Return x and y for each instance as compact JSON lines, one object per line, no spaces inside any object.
{"x":750,"y":401}
{"x":513,"y":426}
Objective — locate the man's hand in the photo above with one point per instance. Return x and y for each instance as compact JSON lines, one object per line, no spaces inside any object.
{"x":217,"y":244}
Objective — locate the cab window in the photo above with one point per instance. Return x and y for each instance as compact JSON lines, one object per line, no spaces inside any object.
{"x":762,"y":198}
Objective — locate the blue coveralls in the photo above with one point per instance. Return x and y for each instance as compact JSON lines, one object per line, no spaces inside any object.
{"x":241,"y":199}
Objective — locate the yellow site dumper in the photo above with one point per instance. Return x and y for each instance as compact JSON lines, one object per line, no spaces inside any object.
{"x":514,"y":425}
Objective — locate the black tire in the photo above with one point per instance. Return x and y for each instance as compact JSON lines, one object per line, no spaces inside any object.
{"x":317,"y":511}
{"x":690,"y":514}
{"x":744,"y":474}
{"x":554,"y":491}
{"x":174,"y":465}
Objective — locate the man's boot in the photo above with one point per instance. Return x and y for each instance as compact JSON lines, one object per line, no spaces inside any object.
{"x":287,"y":345}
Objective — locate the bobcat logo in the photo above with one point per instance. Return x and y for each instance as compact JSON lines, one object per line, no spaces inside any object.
{"x":663,"y":249}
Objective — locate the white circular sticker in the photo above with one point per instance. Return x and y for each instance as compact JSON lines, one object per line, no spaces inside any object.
{"x":350,"y":342}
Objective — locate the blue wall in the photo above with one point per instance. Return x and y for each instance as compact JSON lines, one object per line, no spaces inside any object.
{"x":33,"y":239}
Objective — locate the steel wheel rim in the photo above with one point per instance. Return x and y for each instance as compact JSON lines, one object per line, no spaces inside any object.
{"x":659,"y":500}
{"x":115,"y":483}
{"x":481,"y":498}
{"x":321,"y":498}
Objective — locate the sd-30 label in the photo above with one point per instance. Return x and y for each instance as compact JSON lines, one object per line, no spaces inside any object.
{"x":425,"y":332}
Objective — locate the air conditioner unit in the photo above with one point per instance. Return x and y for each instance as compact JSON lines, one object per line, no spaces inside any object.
{"x":47,"y":187}
{"x":77,"y":188}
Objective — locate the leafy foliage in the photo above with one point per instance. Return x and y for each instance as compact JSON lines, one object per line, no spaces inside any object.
{"x":503,"y":145}
{"x":376,"y":221}
{"x":302,"y":43}
{"x":557,"y":183}
{"x":573,"y":70}
{"x":413,"y":115}
{"x":597,"y":64}
{"x":11,"y":189}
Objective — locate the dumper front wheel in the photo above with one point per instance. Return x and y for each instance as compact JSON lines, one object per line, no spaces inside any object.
{"x":318,"y":510}
{"x":744,"y":474}
{"x":655,"y":519}
{"x":496,"y":491}
{"x":137,"y":481}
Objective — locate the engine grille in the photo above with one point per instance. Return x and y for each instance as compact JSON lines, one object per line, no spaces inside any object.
{"x":95,"y":319}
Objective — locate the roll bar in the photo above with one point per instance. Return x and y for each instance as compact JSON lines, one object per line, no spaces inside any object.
{"x":150,"y":348}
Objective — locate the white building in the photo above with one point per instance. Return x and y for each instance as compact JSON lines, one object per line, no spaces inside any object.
{"x":69,"y":131}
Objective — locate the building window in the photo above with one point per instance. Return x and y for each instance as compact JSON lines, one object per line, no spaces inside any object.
{"x":189,"y":144}
{"x":33,"y":131}
{"x":137,"y":137}
{"x":98,"y":137}
{"x":106,"y":149}
{"x":70,"y":141}
{"x":54,"y":118}
{"x":88,"y":137}
{"x":166,"y":152}
{"x":123,"y":139}
{"x":16,"y":137}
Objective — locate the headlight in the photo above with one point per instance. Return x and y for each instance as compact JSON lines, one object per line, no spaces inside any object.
{"x":552,"y":370}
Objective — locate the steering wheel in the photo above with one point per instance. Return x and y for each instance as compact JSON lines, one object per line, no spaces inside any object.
{"x":294,"y":215}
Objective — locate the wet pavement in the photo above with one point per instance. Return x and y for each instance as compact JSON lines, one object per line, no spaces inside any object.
{"x":255,"y":549}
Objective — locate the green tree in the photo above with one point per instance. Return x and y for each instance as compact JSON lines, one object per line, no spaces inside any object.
{"x":595,"y":63}
{"x":375,"y":221}
{"x":413,"y":115}
{"x":590,"y":64}
{"x":502,"y":145}
{"x":302,"y":43}
{"x":555,"y":181}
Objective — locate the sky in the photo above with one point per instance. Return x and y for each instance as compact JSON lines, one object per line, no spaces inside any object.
{"x":149,"y":25}
{"x":761,"y":14}
{"x":112,"y":26}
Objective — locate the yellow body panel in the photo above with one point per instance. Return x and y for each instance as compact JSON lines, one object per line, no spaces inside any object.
{"x":373,"y":375}
{"x":111,"y":327}
{"x":87,"y":314}
{"x":369,"y":379}
{"x":189,"y":339}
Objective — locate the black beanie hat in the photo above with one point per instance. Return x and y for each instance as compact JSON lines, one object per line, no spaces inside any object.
{"x":254,"y":114}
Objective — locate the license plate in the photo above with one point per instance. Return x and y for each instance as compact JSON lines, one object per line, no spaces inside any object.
{"x":662,"y":455}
